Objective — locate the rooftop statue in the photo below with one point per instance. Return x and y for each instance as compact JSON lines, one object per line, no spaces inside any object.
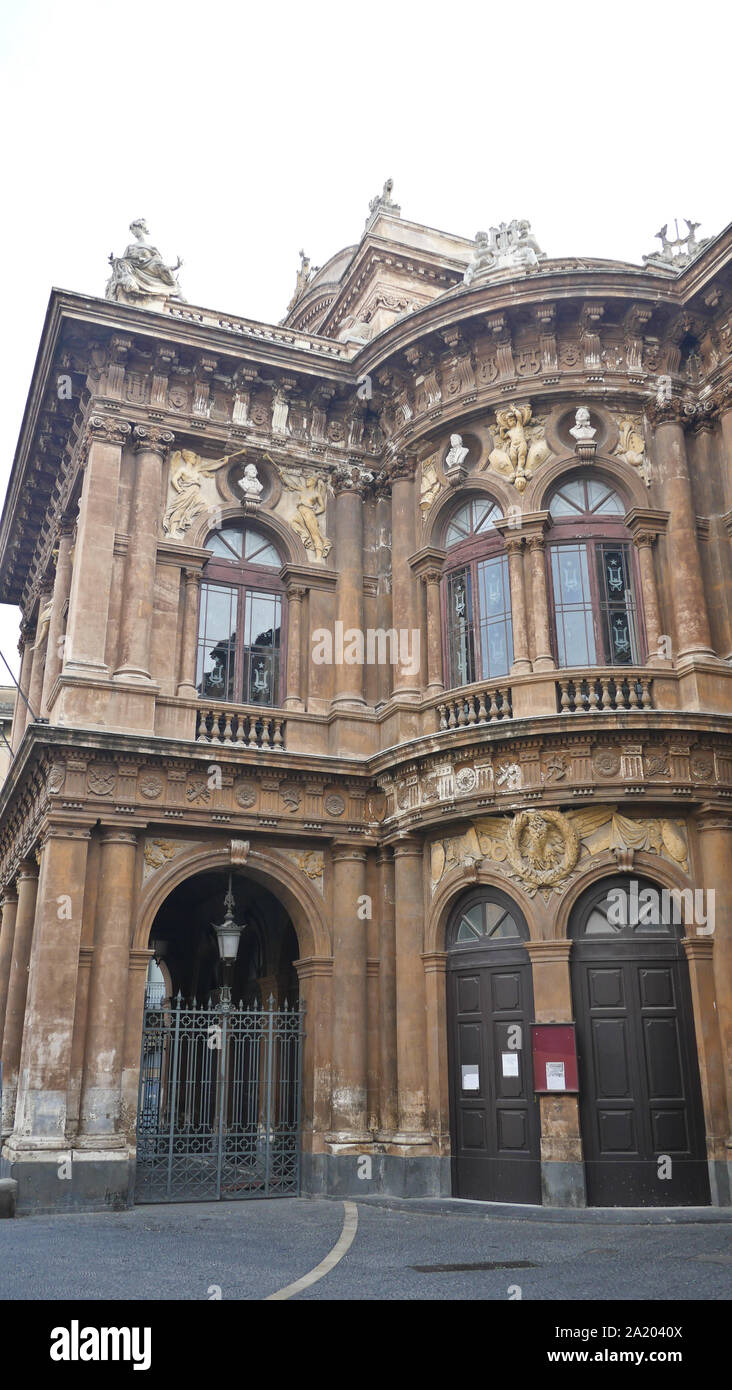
{"x":676,"y":252}
{"x":304,"y":276}
{"x":512,"y":245}
{"x":383,"y":202}
{"x":141,"y":273}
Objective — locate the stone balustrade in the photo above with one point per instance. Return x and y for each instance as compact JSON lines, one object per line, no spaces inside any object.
{"x":486,"y":705}
{"x":599,"y":691}
{"x":240,"y":728}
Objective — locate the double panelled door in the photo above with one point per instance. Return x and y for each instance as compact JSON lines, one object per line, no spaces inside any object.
{"x":494,"y":1114}
{"x":640,"y":1096}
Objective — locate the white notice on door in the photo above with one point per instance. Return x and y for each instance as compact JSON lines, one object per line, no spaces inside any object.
{"x":509,"y":1062}
{"x":555,"y":1076}
{"x":471,"y":1078}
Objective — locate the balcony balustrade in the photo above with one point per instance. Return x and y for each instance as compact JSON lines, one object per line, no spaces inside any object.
{"x":487,"y":705}
{"x":240,"y":728}
{"x":600,"y":691}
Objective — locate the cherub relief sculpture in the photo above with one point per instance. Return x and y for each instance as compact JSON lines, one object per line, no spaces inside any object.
{"x":310,"y":496}
{"x":142,"y":273}
{"x":521,"y":447}
{"x":631,"y":446}
{"x":511,"y":245}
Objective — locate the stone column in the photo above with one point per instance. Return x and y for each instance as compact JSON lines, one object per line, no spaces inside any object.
{"x":315,"y":979}
{"x":715,"y":845}
{"x":645,"y":526}
{"x":99,"y":1118}
{"x":562,"y":1166}
{"x":644,"y":541}
{"x":514,"y":550}
{"x":349,"y":677}
{"x":725,"y":420}
{"x":686,"y":584}
{"x":699,"y":952}
{"x":388,"y":1112}
{"x":427,"y":565}
{"x":27,"y":886}
{"x":40,"y":1115}
{"x":135,"y":1005}
{"x":410,"y":992}
{"x":294,"y":689}
{"x":91,"y":579}
{"x":151,"y":446}
{"x":348,"y":1117}
{"x":9,"y":907}
{"x":40,"y":647}
{"x":20,"y":714}
{"x":189,"y":642}
{"x":61,"y":590}
{"x":406,"y":685}
{"x":543,"y":659}
{"x":435,"y":969}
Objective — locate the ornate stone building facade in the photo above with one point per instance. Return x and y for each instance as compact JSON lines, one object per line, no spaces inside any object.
{"x":408,"y":621}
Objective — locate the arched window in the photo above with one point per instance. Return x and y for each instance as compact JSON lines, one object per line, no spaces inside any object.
{"x":240,"y":622}
{"x":478,"y":634}
{"x":592,"y":575}
{"x":620,"y":908}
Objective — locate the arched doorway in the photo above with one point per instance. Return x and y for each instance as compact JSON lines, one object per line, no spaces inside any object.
{"x":494,"y":1115}
{"x":640,"y":1095}
{"x":220,"y":1072}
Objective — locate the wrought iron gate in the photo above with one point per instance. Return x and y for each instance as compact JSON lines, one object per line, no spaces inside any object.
{"x":219,"y":1104}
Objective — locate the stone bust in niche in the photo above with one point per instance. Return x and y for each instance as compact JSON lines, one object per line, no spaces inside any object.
{"x":249,"y":484}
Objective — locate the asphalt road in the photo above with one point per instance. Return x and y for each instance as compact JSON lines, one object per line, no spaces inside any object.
{"x":251,"y":1250}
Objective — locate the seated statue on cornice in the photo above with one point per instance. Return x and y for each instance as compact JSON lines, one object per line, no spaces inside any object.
{"x":141,"y":273}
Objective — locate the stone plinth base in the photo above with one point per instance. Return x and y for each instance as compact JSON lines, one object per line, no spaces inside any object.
{"x":361,"y":1175}
{"x":563,"y":1185}
{"x":66,"y":1180}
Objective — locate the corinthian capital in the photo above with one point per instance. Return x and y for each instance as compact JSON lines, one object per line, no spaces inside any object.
{"x":152,"y":439}
{"x":108,"y":429}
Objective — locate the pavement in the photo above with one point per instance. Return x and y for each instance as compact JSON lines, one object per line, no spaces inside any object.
{"x":373,"y":1249}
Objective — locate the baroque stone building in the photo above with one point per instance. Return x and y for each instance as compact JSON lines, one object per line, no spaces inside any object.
{"x":397,"y":635}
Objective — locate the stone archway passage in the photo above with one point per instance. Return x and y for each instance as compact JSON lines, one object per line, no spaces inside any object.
{"x":220,"y":1075}
{"x":640,"y":1096}
{"x":494,"y":1115}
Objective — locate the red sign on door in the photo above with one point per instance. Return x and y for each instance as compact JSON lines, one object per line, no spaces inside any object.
{"x":554,"y":1057}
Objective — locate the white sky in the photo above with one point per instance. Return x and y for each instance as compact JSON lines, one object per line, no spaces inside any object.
{"x":243,"y":132}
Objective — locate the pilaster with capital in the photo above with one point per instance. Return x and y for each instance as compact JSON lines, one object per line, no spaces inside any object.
{"x":99,"y":1117}
{"x":349,"y":1065}
{"x":45,"y":1060}
{"x":20,"y":714}
{"x":61,"y":590}
{"x":27,"y":889}
{"x":294,"y":684}
{"x":151,"y":447}
{"x":189,"y":642}
{"x":91,"y":581}
{"x":715,"y":848}
{"x":349,"y":678}
{"x":427,"y":564}
{"x":388,"y":1109}
{"x":645,"y":527}
{"x":536,"y":546}
{"x":40,"y":647}
{"x":514,"y":545}
{"x":9,"y":908}
{"x":410,"y":992}
{"x":687,"y":589}
{"x":406,"y":684}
